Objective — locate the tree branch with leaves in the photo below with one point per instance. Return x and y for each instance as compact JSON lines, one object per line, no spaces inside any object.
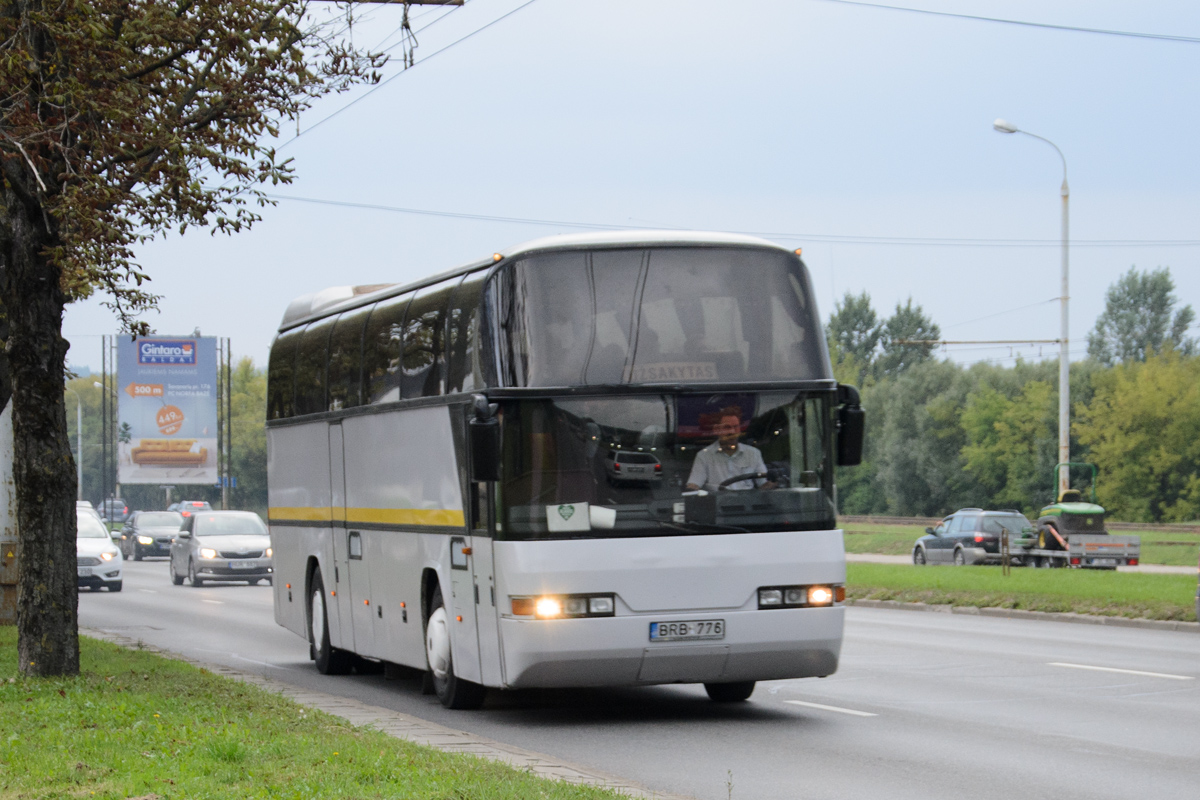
{"x":121,"y":120}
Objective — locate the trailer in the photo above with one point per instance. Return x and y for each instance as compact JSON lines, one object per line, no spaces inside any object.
{"x":1071,"y":533}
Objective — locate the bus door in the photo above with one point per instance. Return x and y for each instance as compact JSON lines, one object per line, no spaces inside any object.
{"x":462,"y":609}
{"x":359,"y":590}
{"x":339,"y":603}
{"x":484,"y":578}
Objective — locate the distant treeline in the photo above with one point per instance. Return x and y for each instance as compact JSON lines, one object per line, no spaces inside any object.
{"x":942,"y":436}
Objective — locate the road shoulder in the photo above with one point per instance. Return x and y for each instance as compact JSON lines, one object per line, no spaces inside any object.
{"x":410,"y":728}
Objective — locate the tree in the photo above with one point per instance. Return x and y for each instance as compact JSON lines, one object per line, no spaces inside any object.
{"x":119,"y":120}
{"x":1143,"y":427}
{"x":854,"y":332}
{"x":909,"y":324}
{"x":916,"y":439}
{"x":249,"y":401}
{"x":1012,"y":444}
{"x":1137,"y":321}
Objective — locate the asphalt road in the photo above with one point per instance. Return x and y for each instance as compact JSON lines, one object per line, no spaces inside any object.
{"x":924,"y":705}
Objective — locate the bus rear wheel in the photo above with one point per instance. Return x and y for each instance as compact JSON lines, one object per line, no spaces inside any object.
{"x":729,"y":692}
{"x":330,"y":660}
{"x":451,"y":690}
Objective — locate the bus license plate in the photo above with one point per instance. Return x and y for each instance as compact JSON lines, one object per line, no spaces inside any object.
{"x":85,"y":572}
{"x":241,"y":565}
{"x":691,"y":630}
{"x":1104,"y":562}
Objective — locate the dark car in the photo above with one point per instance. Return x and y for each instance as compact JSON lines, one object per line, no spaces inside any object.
{"x":149,"y":533}
{"x":970,"y":536}
{"x":221,"y":546}
{"x":114,"y":509}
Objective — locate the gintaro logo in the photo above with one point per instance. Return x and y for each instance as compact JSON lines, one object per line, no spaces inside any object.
{"x":177,"y":352}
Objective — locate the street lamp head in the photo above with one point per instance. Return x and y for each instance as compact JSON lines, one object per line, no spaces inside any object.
{"x":1004,"y":126}
{"x":98,"y":384}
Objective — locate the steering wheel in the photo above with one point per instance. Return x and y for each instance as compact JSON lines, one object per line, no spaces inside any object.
{"x":745,"y":476}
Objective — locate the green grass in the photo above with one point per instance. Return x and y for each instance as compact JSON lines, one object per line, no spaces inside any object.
{"x":137,"y":725}
{"x":1121,"y":594}
{"x":1158,"y":547}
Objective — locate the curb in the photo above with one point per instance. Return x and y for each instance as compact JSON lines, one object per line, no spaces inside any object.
{"x":1045,"y":616}
{"x":413,"y":729}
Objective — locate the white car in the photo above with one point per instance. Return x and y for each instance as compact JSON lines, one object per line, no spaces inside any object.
{"x":98,"y":560}
{"x":222,"y":546}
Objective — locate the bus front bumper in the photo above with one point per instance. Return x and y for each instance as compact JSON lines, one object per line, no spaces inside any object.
{"x":758,"y":645}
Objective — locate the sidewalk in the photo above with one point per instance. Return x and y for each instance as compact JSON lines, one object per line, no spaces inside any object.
{"x":413,"y":729}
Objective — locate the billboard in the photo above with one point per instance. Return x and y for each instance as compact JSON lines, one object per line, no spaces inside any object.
{"x":167,"y":410}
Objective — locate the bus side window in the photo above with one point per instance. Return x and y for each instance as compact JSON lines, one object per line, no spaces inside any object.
{"x":382,"y":349}
{"x":281,"y":371}
{"x":424,"y":341}
{"x":345,"y":359}
{"x":310,"y":367}
{"x":462,"y":334}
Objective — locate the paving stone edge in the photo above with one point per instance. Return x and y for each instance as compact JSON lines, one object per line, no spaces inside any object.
{"x":410,"y":728}
{"x":1049,"y":616}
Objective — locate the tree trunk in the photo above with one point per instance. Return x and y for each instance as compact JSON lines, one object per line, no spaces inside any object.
{"x":43,"y":468}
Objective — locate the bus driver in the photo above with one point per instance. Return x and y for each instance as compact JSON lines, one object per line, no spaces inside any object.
{"x":727,"y":457}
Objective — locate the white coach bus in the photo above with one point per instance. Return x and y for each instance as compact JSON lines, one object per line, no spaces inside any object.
{"x":589,"y":460}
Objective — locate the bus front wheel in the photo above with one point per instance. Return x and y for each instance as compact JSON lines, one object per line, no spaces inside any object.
{"x":729,"y":692}
{"x":451,"y":690}
{"x":330,"y":660}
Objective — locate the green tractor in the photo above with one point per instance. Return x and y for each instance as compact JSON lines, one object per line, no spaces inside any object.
{"x":1071,"y":514}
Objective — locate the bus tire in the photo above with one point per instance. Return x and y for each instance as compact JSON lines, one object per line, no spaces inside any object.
{"x":729,"y":692}
{"x":330,"y":660}
{"x":452,"y":691}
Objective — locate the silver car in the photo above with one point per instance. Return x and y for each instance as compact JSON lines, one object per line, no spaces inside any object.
{"x":221,"y":546}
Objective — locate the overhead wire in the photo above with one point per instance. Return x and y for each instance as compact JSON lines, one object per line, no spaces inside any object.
{"x":405,"y":71}
{"x":834,"y":238}
{"x":1002,"y":313}
{"x":1025,"y":23}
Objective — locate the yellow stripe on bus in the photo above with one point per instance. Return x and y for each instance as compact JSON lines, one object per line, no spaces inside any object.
{"x":442,"y":517}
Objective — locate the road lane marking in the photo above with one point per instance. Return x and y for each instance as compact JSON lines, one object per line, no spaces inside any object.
{"x":149,"y":591}
{"x":832,"y":708}
{"x":214,"y":602}
{"x":1124,"y":671}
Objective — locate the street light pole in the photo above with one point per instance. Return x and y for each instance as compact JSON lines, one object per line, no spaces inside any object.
{"x":78,"y":443}
{"x":112,"y":404}
{"x":1064,"y":363}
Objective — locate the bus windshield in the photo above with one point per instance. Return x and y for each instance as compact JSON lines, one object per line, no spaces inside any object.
{"x":661,"y":465}
{"x":662,"y":315}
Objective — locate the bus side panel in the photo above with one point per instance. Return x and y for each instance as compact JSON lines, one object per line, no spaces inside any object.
{"x":395,"y":565}
{"x":298,"y":492}
{"x":292,"y":548}
{"x":403,"y":464}
{"x":401,"y":471}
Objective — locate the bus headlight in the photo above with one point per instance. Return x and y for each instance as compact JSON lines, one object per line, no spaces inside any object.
{"x":549,"y":607}
{"x":564,"y":606}
{"x":800,"y":596}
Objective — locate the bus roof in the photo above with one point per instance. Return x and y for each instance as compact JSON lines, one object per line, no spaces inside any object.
{"x":340,"y":298}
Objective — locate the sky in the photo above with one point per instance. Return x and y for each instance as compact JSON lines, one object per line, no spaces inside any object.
{"x":861,"y":134}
